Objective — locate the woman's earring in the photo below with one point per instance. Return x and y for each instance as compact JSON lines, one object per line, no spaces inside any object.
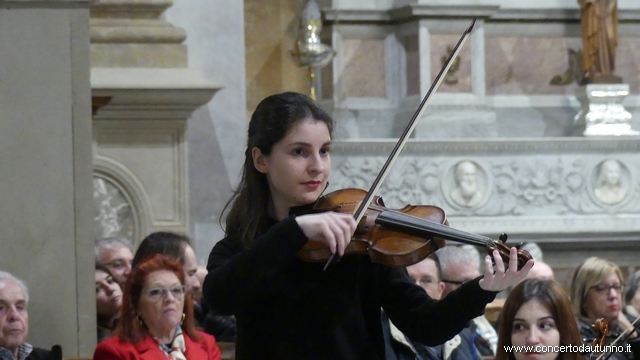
{"x":140,"y":319}
{"x":183,"y":317}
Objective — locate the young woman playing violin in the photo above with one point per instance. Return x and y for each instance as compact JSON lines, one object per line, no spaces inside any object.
{"x":290,"y":309}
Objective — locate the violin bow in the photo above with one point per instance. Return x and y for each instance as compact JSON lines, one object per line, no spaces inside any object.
{"x":359,"y":214}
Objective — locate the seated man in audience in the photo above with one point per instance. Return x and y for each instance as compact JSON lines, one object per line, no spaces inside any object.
{"x":115,"y":254}
{"x":540,"y":270}
{"x":14,"y":323}
{"x":427,"y":274}
{"x":458,"y":265}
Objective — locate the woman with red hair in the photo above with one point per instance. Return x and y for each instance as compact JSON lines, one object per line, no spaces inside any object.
{"x":157,"y":317}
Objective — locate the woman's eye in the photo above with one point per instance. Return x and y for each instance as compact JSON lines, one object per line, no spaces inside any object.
{"x":518,"y":327}
{"x":298,"y":151}
{"x":546,"y":326}
{"x":325,"y":151}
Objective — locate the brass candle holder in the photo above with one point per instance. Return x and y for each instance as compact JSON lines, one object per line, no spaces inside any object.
{"x":308,"y":51}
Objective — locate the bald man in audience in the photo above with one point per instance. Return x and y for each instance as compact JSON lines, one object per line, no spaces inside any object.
{"x":540,"y":270}
{"x":116,"y":255}
{"x":14,"y":323}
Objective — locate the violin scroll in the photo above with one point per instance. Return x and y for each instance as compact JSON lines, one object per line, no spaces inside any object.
{"x":504,"y":251}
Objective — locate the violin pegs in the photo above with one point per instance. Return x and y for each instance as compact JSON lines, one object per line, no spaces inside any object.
{"x":503,"y":237}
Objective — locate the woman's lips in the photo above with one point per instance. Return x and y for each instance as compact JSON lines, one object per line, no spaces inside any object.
{"x":312,"y":184}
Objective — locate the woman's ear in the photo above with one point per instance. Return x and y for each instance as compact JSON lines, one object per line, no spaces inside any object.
{"x":259,"y":160}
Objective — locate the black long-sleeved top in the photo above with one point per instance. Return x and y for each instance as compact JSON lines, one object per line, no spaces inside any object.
{"x":290,"y":309}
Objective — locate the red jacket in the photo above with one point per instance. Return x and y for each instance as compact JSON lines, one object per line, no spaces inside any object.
{"x":147,"y":349}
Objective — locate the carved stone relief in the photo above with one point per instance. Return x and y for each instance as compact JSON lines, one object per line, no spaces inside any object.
{"x":610,"y":186}
{"x":533,"y":186}
{"x":113,"y":214}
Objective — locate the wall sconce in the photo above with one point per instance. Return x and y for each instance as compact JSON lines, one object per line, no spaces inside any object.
{"x":308,"y":50}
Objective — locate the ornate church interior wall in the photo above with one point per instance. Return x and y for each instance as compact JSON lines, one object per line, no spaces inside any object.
{"x":504,"y":115}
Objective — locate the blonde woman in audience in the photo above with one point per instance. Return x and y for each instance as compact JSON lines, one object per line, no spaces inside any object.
{"x":538,"y":313}
{"x":157,"y":318}
{"x":108,"y":301}
{"x":596,"y":292}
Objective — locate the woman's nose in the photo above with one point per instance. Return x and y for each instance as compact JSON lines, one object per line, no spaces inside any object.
{"x":533,"y":337}
{"x":317,"y":164}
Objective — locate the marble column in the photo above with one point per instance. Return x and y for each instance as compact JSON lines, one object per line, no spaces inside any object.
{"x":45,"y":157}
{"x":139,"y":63}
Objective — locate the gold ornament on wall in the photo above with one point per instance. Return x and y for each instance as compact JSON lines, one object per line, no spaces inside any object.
{"x":451,"y":77}
{"x":308,"y":50}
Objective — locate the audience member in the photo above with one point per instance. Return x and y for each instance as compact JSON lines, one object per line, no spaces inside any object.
{"x":157,"y":317}
{"x":596,"y":292}
{"x":200,"y":275}
{"x":115,"y":254}
{"x":179,"y":247}
{"x":540,"y":270}
{"x":632,"y":295}
{"x":461,"y":264}
{"x":175,"y":245}
{"x":108,"y":301}
{"x":538,"y":313}
{"x":14,"y":323}
{"x":427,"y":275}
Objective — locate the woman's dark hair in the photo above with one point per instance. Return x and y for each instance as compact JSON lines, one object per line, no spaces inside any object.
{"x":129,"y":327}
{"x":270,"y":123}
{"x":162,"y":242}
{"x":551,"y":295}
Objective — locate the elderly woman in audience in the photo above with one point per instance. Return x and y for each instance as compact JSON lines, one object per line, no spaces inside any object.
{"x":108,"y":301}
{"x":632,"y":296}
{"x":157,"y":317}
{"x":537,"y":313}
{"x":596,"y":292}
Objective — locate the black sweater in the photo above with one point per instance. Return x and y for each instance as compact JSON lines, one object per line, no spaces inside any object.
{"x":290,"y":309}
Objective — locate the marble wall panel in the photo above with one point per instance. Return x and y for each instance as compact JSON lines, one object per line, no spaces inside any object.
{"x":412,"y":50}
{"x":526,"y":65}
{"x":628,"y":63}
{"x":364,"y":70}
{"x":458,"y":79}
{"x":271,"y":27}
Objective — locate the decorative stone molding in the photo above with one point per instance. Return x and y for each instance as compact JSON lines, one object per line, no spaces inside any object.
{"x":140,"y":151}
{"x":530,"y":186}
{"x":132,"y":33}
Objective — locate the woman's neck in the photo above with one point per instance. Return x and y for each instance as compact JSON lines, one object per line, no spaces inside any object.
{"x":165,"y":336}
{"x":278,"y":211}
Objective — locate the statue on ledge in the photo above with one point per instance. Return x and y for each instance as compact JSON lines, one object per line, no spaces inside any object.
{"x":599,"y":20}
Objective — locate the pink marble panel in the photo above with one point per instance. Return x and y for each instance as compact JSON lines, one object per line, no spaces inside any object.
{"x":411,"y":47}
{"x":460,"y":72}
{"x":364,"y":70}
{"x":526,"y":65}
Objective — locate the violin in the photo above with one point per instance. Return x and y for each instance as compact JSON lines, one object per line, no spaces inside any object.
{"x":399,"y":237}
{"x":602,"y":329}
{"x":395,"y":237}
